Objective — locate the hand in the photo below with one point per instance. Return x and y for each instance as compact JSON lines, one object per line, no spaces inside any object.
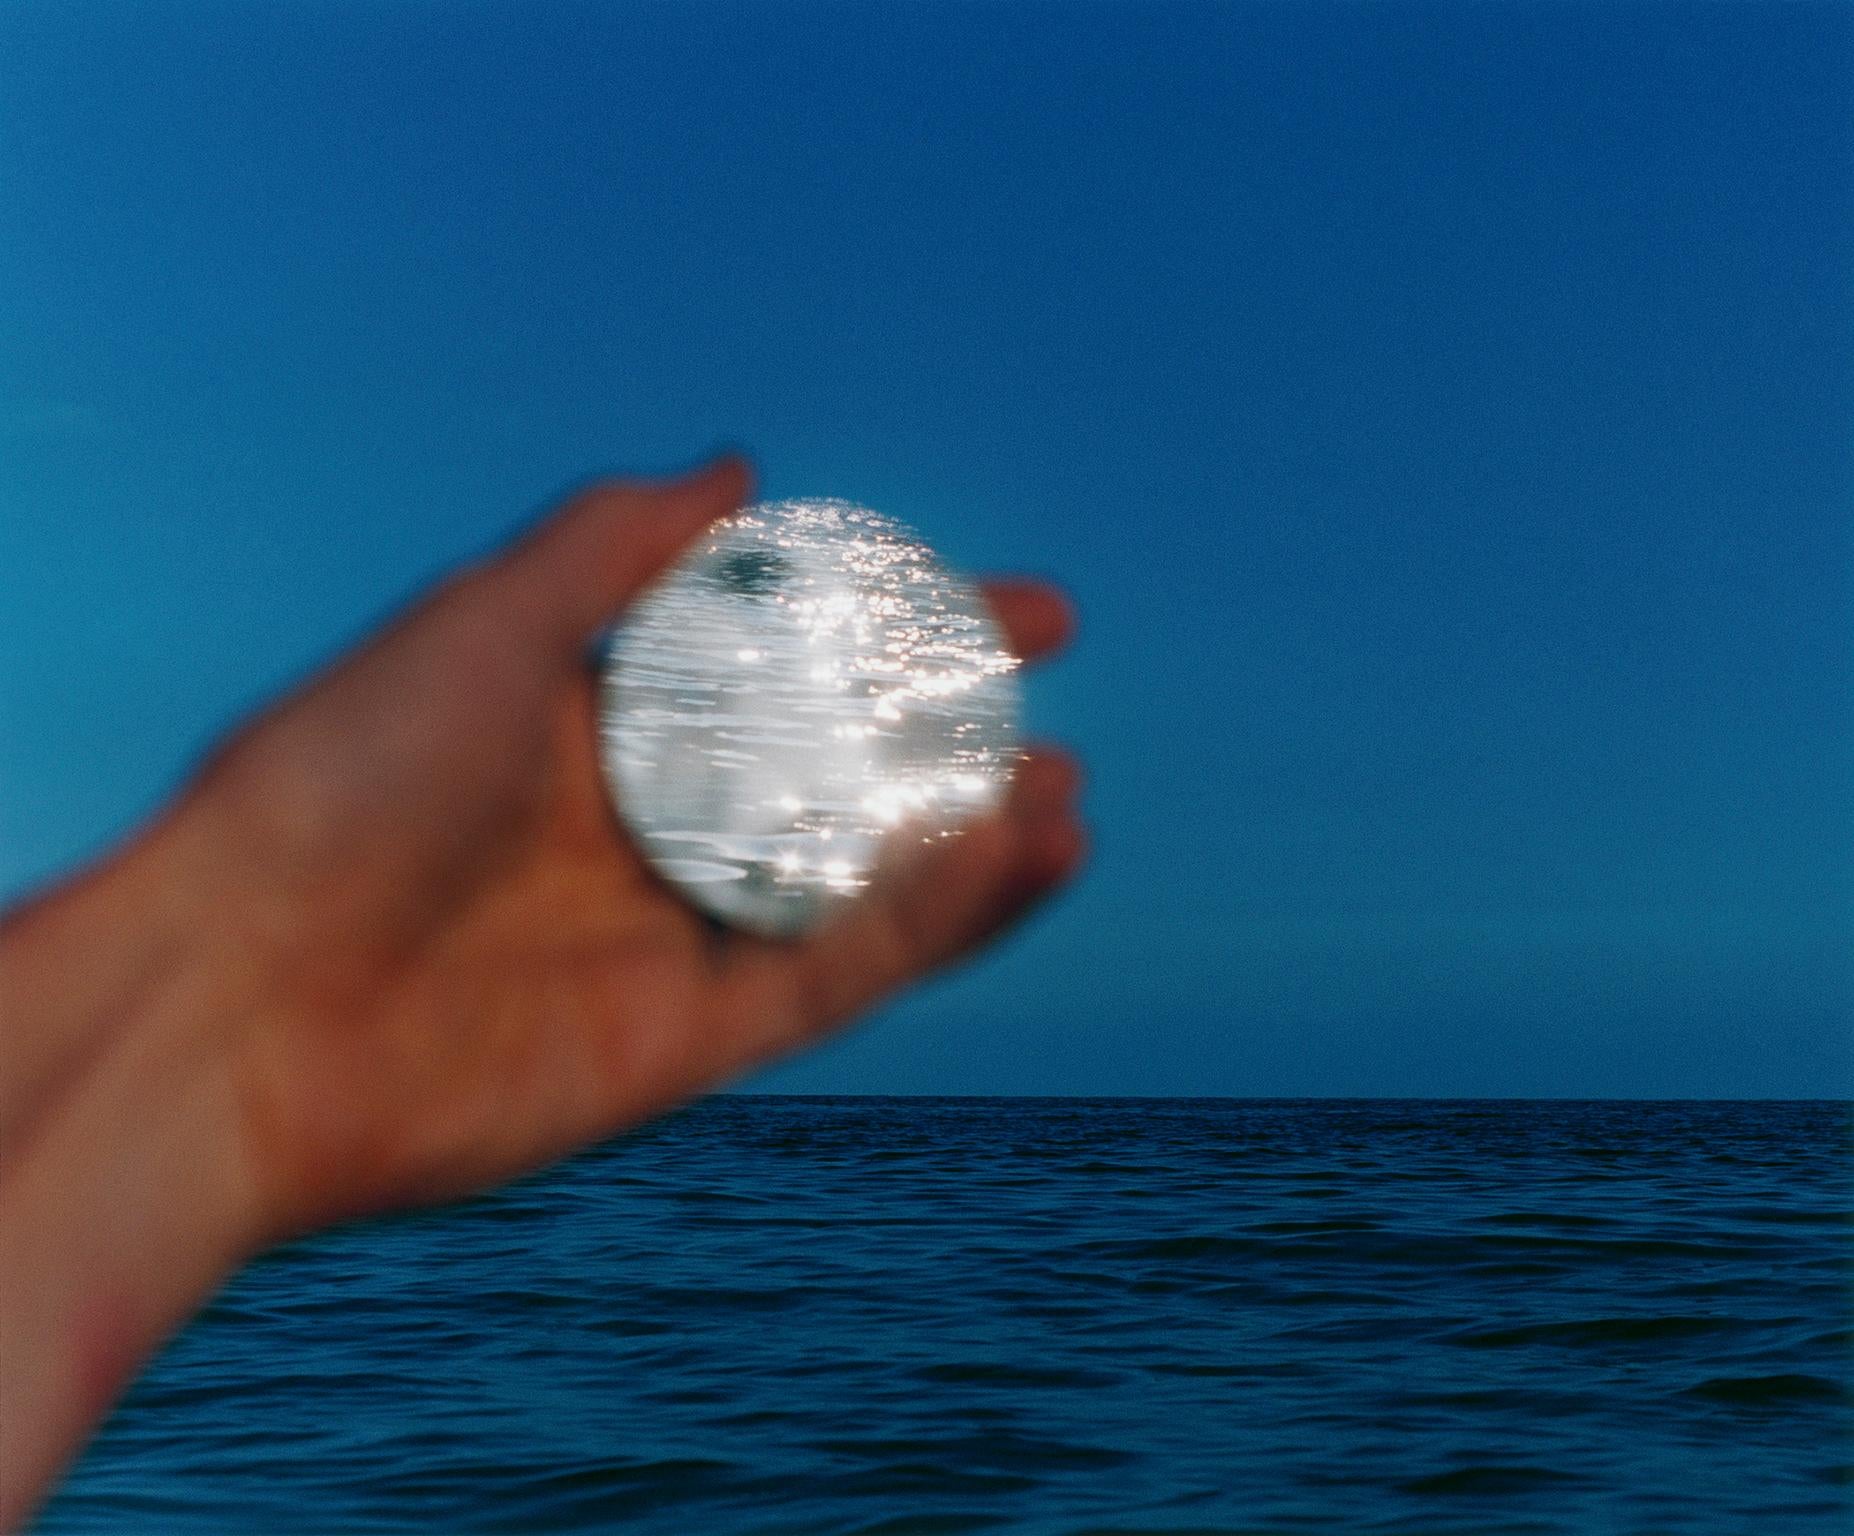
{"x":469,"y":968}
{"x":391,"y":946}
{"x":431,"y":956}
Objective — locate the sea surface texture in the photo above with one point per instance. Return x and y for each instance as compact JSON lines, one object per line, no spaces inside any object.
{"x":805,"y":691}
{"x":938,"y":1315}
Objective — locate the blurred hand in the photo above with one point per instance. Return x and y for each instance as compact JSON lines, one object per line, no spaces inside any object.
{"x":391,"y":947}
{"x":457,"y":966}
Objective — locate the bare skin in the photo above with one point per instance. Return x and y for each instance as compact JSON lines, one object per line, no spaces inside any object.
{"x":389,"y":948}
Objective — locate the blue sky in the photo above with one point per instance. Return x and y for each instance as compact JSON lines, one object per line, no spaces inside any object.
{"x":1445,"y":417}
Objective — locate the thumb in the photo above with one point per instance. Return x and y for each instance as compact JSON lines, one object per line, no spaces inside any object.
{"x":572,"y":574}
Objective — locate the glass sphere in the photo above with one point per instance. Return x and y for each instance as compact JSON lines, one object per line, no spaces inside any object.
{"x":805,"y":691}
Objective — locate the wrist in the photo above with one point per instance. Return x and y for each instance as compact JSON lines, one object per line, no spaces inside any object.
{"x":125,"y":1199}
{"x":84,"y":960}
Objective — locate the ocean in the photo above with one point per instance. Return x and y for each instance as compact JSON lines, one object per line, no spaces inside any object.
{"x":777,"y":1314}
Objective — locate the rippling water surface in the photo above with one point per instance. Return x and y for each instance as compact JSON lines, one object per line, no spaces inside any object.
{"x":806,"y":685}
{"x":935,"y":1315}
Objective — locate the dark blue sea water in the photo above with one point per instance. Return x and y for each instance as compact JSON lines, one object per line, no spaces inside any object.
{"x":935,"y":1315}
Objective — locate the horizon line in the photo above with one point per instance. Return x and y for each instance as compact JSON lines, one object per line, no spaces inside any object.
{"x":1305,"y":1098}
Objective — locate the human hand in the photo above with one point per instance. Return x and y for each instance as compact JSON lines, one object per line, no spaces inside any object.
{"x":391,"y":946}
{"x":459,"y":966}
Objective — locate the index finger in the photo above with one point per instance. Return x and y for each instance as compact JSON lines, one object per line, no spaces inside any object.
{"x":1036,"y":616}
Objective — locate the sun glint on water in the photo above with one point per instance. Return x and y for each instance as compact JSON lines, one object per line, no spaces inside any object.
{"x":805,"y":690}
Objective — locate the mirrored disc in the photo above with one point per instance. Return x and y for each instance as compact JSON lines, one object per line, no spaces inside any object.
{"x":807,"y":690}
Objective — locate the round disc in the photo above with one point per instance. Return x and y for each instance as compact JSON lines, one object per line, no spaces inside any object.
{"x":807,"y":690}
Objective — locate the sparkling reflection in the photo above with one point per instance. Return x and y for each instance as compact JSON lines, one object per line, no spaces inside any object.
{"x":805,"y":687}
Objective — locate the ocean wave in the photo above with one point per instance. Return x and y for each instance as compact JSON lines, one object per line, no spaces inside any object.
{"x":1045,"y":1317}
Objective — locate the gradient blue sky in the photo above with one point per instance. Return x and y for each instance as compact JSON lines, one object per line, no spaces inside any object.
{"x":1444,"y":416}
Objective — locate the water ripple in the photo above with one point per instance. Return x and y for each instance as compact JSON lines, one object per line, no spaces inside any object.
{"x":1048,"y":1316}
